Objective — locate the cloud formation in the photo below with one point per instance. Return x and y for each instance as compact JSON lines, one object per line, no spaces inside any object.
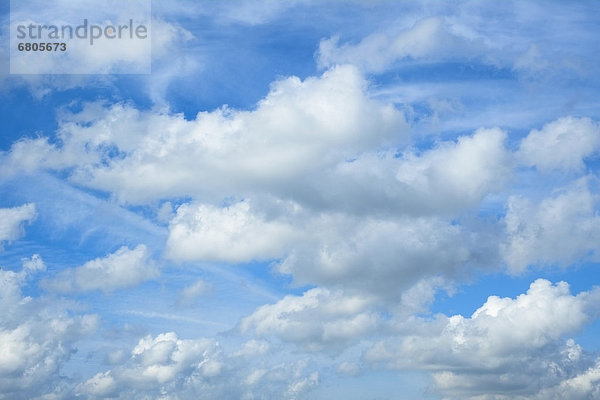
{"x":297,"y":130}
{"x":562,"y":229}
{"x":182,"y":368}
{"x":433,"y":146}
{"x":319,"y":320}
{"x":121,"y":269}
{"x":12,"y":219}
{"x":563,"y":144}
{"x":510,"y":346}
{"x":36,"y":336}
{"x":428,"y":39}
{"x":233,"y":234}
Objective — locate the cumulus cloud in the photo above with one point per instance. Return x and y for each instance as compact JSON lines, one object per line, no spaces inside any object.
{"x":563,"y":144}
{"x":101,"y":385}
{"x":509,"y":346}
{"x":167,"y":365}
{"x":36,"y":337}
{"x":318,"y":320}
{"x":455,"y":174}
{"x":334,"y":320}
{"x":232,"y":234}
{"x":121,"y":269}
{"x":449,"y":178}
{"x":12,"y":219}
{"x":321,"y":143}
{"x":320,"y":181}
{"x":310,"y":179}
{"x":154,"y":362}
{"x":560,"y":230}
{"x":378,"y":256}
{"x":585,"y":385}
{"x":297,"y":130}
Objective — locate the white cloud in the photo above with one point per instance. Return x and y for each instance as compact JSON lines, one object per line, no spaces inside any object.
{"x":33,"y":265}
{"x":230,"y":234}
{"x":563,"y":144}
{"x":380,"y":254}
{"x":328,"y":219}
{"x":12,"y":219}
{"x":319,"y":320}
{"x":502,"y":37}
{"x":171,"y":58}
{"x":297,"y":130}
{"x":154,"y":363}
{"x":310,"y":177}
{"x":190,"y":294}
{"x":253,"y":348}
{"x":560,"y":230}
{"x":182,"y":368}
{"x":121,"y":269}
{"x":101,"y":385}
{"x":381,"y":257}
{"x":36,"y":337}
{"x":585,"y":385}
{"x":160,"y":359}
{"x":449,"y":178}
{"x":320,"y":144}
{"x":377,"y":256}
{"x":455,"y":174}
{"x":316,"y":178}
{"x":510,"y":346}
{"x":429,"y":39}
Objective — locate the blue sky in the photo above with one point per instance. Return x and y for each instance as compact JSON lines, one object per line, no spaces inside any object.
{"x":309,"y":200}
